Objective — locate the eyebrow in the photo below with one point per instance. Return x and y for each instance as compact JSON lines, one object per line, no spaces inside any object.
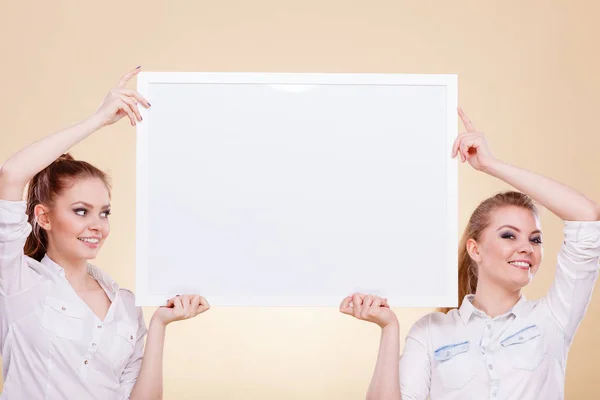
{"x":88,"y":205}
{"x":516,"y":229}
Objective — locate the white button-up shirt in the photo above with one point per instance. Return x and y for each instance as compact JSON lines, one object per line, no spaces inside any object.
{"x":53,"y":345}
{"x":522,"y":354}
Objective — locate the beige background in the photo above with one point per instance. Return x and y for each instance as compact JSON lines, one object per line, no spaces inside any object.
{"x":528,"y":76}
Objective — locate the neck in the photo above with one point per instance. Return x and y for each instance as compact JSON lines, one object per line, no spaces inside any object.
{"x":75,"y":269}
{"x":494,"y":300}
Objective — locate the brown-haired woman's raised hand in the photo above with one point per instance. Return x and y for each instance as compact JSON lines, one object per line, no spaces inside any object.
{"x":121,"y":101}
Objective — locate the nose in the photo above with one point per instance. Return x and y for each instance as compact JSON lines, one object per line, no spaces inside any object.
{"x":526,"y":248}
{"x":95,"y":225}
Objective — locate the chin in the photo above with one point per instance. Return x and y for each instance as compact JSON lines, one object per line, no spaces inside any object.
{"x":520,"y":283}
{"x":519,"y":280}
{"x":91,"y":255}
{"x":88,"y":255}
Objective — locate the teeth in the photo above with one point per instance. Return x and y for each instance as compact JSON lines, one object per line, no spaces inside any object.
{"x":89,"y":240}
{"x":520,"y":264}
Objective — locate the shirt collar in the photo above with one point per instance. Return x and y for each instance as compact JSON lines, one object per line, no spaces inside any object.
{"x":52,"y":266}
{"x":467,"y":309}
{"x":103,"y":279}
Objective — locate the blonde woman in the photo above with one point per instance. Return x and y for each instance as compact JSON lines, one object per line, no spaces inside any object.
{"x":497,"y":344}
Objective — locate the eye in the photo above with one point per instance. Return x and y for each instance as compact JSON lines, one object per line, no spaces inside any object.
{"x":105,"y":214}
{"x":537,"y":240}
{"x":507,"y":235}
{"x":80,"y":211}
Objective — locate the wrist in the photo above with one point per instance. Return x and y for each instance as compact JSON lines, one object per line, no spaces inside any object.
{"x":393,"y":325}
{"x":491,"y":166}
{"x":157,"y":322}
{"x":94,"y":121}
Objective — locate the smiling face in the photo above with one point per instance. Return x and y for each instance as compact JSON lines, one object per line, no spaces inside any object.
{"x":77,"y":221}
{"x":508,"y":252}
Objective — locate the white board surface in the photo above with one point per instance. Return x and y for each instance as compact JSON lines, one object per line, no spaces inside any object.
{"x":282,"y":189}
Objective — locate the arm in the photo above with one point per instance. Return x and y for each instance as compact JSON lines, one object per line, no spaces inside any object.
{"x":15,"y":276}
{"x":560,"y":199}
{"x":149,"y":383}
{"x":23,"y":165}
{"x":385,"y":383}
{"x":576,"y":274}
{"x":415,"y":362}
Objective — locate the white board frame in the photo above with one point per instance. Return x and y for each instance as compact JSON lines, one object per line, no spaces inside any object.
{"x":146,"y":79}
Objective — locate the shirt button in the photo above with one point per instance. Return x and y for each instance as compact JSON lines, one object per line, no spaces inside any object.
{"x":86,"y":362}
{"x":131,"y":337}
{"x":99,"y":326}
{"x":490,"y":366}
{"x":64,"y":308}
{"x":488,"y":326}
{"x":93,"y":344}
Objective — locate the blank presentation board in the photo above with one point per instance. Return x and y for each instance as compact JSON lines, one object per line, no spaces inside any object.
{"x":285,"y":189}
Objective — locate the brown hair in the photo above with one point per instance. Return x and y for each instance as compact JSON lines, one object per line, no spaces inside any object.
{"x":480,"y":219}
{"x":43,"y":189}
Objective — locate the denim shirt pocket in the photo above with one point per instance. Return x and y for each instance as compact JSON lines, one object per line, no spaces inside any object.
{"x":524,"y":348}
{"x":452,"y":365}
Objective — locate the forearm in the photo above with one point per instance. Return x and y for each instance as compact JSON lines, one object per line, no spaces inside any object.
{"x":23,"y":165}
{"x":563,"y":201}
{"x":385,"y":384}
{"x":149,"y":384}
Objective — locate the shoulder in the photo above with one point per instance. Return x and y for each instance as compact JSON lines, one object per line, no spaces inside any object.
{"x":134,"y":313}
{"x":128,"y":300}
{"x":432,"y":323}
{"x":127,"y":296}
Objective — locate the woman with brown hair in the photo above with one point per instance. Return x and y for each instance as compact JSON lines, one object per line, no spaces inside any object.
{"x":497,"y":344}
{"x":67,"y":331}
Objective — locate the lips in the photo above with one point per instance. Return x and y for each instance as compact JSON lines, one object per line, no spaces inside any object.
{"x":91,"y":242}
{"x":521,"y":264}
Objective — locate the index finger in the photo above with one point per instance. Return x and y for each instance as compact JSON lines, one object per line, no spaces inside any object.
{"x":203,"y":301}
{"x":125,"y":78}
{"x":170,"y":303}
{"x":466,"y":121}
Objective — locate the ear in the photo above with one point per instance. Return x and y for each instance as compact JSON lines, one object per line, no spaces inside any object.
{"x":473,"y":250}
{"x":41,"y":216}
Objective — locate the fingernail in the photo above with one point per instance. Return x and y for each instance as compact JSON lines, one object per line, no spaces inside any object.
{"x":149,"y":105}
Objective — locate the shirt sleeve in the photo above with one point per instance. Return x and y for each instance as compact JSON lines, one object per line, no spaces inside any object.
{"x":576,"y":273}
{"x":415,"y":363}
{"x":134,"y":364}
{"x":15,"y":274}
